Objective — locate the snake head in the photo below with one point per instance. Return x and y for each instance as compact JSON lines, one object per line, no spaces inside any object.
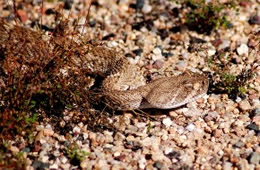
{"x":172,"y":92}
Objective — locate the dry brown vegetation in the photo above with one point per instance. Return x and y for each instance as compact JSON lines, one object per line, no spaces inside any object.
{"x":33,"y":85}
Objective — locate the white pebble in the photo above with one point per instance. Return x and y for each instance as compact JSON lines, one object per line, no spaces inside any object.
{"x":211,"y":52}
{"x":157,"y":51}
{"x":167,"y":122}
{"x":76,"y":129}
{"x":63,"y":159}
{"x":190,"y":127}
{"x":242,"y":49}
{"x":227,"y":166}
{"x":146,"y":8}
{"x":168,"y":150}
{"x":224,"y":44}
{"x":54,"y":166}
{"x":142,"y":163}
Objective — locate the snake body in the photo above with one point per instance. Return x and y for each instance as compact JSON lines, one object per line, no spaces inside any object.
{"x":124,"y":87}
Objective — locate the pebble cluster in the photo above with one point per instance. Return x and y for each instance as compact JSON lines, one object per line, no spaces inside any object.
{"x":214,"y":132}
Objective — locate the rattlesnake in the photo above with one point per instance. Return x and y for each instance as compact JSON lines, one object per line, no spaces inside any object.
{"x":124,"y":87}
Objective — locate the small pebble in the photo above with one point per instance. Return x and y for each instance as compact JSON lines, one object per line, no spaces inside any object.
{"x":254,"y":158}
{"x":255,"y":19}
{"x":242,"y":49}
{"x":158,"y":64}
{"x":48,"y":132}
{"x":253,"y":126}
{"x":142,"y":163}
{"x":227,"y":166}
{"x":139,"y":4}
{"x":224,"y":44}
{"x":190,"y":127}
{"x":22,"y":15}
{"x":68,"y":4}
{"x":158,"y":165}
{"x":157,"y":51}
{"x":211,"y":52}
{"x":181,"y":65}
{"x":14,"y":149}
{"x":76,"y":130}
{"x":167,"y":122}
{"x":146,"y":8}
{"x":244,"y":105}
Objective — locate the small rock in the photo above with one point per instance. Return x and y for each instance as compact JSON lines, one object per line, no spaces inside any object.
{"x":168,"y":150}
{"x":254,"y":158}
{"x":252,"y":43}
{"x":157,"y":51}
{"x":158,"y":165}
{"x":190,"y":127}
{"x":142,"y":163}
{"x":245,"y":3}
{"x":158,"y":64}
{"x":197,"y":40}
{"x":242,"y":49}
{"x":39,"y":136}
{"x":167,"y":122}
{"x":244,"y":105}
{"x":256,"y":120}
{"x":255,"y":19}
{"x":120,"y":157}
{"x":14,"y":149}
{"x":167,"y":54}
{"x":224,"y":44}
{"x":37,"y":148}
{"x":227,"y":166}
{"x":40,"y":165}
{"x":236,"y":59}
{"x":147,"y":8}
{"x":173,"y":155}
{"x":158,"y":156}
{"x":139,"y":4}
{"x":140,"y":124}
{"x":85,"y":164}
{"x":54,"y":166}
{"x":211,"y":52}
{"x":211,"y":116}
{"x":48,"y":132}
{"x":26,"y":149}
{"x":185,"y":54}
{"x":181,"y":65}
{"x":256,"y":112}
{"x":221,"y":152}
{"x":22,"y":15}
{"x":217,"y":133}
{"x":76,"y":130}
{"x":253,"y":126}
{"x":92,"y":23}
{"x":239,"y":144}
{"x":138,"y":52}
{"x":243,"y":164}
{"x":63,"y":159}
{"x":68,"y":4}
{"x":216,"y":43}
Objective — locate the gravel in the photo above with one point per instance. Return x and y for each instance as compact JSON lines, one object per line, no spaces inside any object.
{"x":214,"y":132}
